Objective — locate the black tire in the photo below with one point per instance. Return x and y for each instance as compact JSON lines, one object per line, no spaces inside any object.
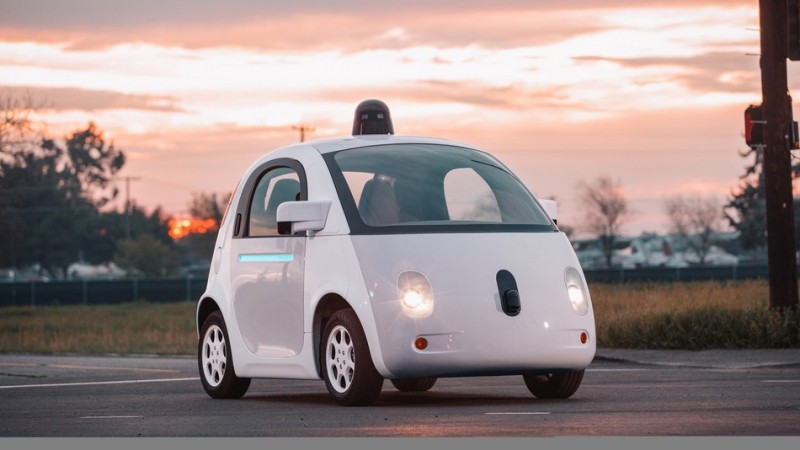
{"x":215,"y":362}
{"x":344,"y":357}
{"x":554,"y":385}
{"x":414,"y":384}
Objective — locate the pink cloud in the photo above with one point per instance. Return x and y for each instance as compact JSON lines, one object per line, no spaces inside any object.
{"x":60,"y":99}
{"x":313,"y":25}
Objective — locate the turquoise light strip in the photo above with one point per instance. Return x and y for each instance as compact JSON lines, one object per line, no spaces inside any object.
{"x":266,"y":257}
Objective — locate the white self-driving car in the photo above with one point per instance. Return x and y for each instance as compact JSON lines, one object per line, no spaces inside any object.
{"x":377,"y":256}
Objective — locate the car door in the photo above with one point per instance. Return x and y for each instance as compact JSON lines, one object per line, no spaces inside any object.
{"x":267,"y":268}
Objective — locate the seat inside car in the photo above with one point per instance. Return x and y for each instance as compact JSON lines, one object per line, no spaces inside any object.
{"x":378,"y":204}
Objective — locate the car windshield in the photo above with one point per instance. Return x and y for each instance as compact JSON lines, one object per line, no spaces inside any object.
{"x":432,"y":185}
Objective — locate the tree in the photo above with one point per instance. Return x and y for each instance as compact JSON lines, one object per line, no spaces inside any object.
{"x":696,"y":220}
{"x":50,"y":190}
{"x":43,"y":209}
{"x":92,"y":164}
{"x":605,"y":212}
{"x":208,"y":206}
{"x":200,"y":246}
{"x":148,"y":256}
{"x":16,"y":126}
{"x":16,"y":135}
{"x":746,"y":209}
{"x":106,"y":229}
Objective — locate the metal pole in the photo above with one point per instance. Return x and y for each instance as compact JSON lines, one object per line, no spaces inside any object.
{"x":303,"y":129}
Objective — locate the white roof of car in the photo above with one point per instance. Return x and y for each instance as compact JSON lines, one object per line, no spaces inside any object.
{"x":335,"y":144}
{"x":324,"y":146}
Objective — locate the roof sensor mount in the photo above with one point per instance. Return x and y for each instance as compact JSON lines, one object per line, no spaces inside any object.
{"x":372,"y":117}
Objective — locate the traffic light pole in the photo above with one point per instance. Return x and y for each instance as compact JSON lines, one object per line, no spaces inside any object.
{"x":777,"y":157}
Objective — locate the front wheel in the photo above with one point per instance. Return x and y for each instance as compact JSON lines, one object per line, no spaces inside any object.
{"x":215,"y":362}
{"x":347,"y":368}
{"x":554,"y":385}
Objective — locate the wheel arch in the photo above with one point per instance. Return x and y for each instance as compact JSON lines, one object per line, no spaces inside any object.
{"x":327,"y":306}
{"x":205,"y":307}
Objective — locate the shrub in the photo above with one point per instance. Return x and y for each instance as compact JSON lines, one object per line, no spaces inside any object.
{"x":692,"y":316}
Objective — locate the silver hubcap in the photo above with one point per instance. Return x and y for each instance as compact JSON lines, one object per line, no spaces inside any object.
{"x":340,"y":359}
{"x":214,"y":357}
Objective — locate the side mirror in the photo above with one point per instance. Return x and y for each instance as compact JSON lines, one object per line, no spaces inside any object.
{"x":551,"y":208}
{"x":294,"y":217}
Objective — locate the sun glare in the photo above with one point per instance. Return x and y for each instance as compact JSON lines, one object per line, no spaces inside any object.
{"x":180,"y":228}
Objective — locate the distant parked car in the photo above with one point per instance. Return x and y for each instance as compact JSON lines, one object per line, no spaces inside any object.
{"x":33,"y":273}
{"x":7,"y":275}
{"x":376,"y":256}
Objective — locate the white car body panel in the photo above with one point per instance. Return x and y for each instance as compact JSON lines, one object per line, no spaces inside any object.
{"x":267,"y":293}
{"x":468,"y":331}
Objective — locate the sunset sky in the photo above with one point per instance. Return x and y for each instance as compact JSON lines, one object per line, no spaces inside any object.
{"x":651,"y":93}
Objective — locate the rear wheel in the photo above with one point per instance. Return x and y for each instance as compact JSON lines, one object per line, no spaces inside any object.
{"x":554,"y":385}
{"x":347,"y":368}
{"x":215,"y":362}
{"x":414,"y":384}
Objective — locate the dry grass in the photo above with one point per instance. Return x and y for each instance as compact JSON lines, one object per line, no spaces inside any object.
{"x":691,"y":316}
{"x":130,"y":328}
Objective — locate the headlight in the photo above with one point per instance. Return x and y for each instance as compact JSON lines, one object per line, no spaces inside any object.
{"x":416,"y":295}
{"x":576,"y":291}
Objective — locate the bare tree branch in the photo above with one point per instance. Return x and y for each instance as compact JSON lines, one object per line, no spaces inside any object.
{"x":16,"y":125}
{"x":605,"y":211}
{"x":696,"y":220}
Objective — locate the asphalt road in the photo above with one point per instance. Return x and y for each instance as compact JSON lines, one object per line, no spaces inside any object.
{"x":624,"y":393}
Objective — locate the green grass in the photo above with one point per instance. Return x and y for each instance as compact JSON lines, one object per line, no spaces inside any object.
{"x":691,"y":316}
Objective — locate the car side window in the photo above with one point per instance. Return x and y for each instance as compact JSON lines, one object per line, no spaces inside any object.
{"x":281,"y":184}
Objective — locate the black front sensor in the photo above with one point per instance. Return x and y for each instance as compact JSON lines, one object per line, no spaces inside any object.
{"x":509,"y":294}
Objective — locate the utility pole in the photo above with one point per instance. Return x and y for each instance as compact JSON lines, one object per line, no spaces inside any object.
{"x":128,"y":204}
{"x":303,"y":129}
{"x":777,"y":163}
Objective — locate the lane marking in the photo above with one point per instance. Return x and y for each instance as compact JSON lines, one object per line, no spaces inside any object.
{"x":780,"y":381}
{"x":97,"y":383}
{"x":517,"y":413}
{"x":618,"y":370}
{"x":112,"y":417}
{"x":132,"y":369}
{"x":78,"y":366}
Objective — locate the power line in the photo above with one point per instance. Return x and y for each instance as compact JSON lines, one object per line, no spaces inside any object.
{"x":170,"y":183}
{"x":47,"y":209}
{"x":44,"y":187}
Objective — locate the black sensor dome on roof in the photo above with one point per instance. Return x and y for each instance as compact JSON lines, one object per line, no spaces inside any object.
{"x":372,"y":117}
